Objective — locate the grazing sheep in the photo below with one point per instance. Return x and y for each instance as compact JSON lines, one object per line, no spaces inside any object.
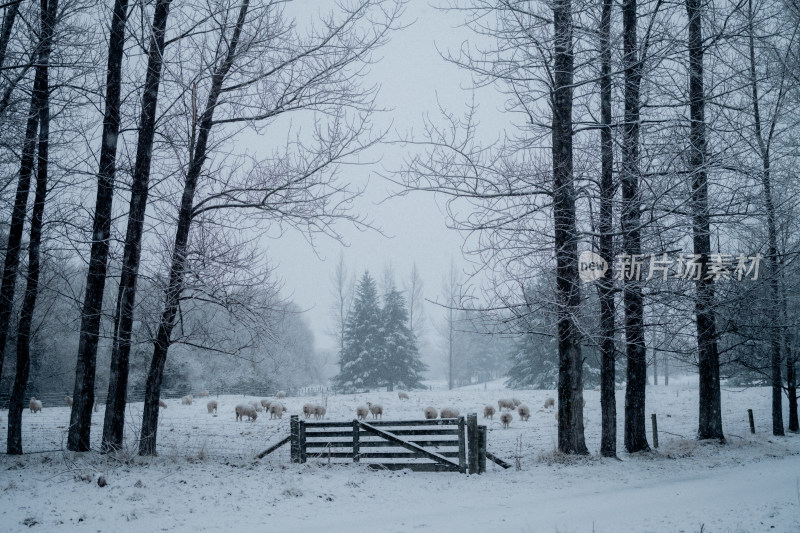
{"x":524,"y":412}
{"x":548,"y":403}
{"x":376,"y":410}
{"x":449,"y":412}
{"x":35,"y":405}
{"x":430,"y":413}
{"x":281,"y":394}
{"x":506,"y":404}
{"x":597,"y":388}
{"x":265,"y":404}
{"x":68,"y":399}
{"x":212,"y":407}
{"x":203,"y":394}
{"x":162,"y":403}
{"x":244,"y":410}
{"x":516,"y":402}
{"x":187,"y":400}
{"x":308,"y":410}
{"x":506,"y":419}
{"x":319,"y":411}
{"x":488,"y":412}
{"x":362,"y":411}
{"x":402,"y":395}
{"x":276,"y":410}
{"x":257,"y":406}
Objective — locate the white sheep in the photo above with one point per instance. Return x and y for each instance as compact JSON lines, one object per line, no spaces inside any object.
{"x":187,"y":400}
{"x":449,"y":412}
{"x":265,"y":404}
{"x":244,"y":410}
{"x":506,"y":419}
{"x":550,"y":402}
{"x":402,"y":395}
{"x":276,"y":410}
{"x":68,"y":399}
{"x":308,"y":410}
{"x":516,"y":402}
{"x":257,"y":406}
{"x":362,"y":411}
{"x":281,"y":394}
{"x":162,"y":403}
{"x":376,"y":410}
{"x":506,"y":404}
{"x":202,"y":394}
{"x":524,"y":412}
{"x":488,"y":412}
{"x":35,"y":405}
{"x":319,"y":411}
{"x":431,"y":413}
{"x":212,"y":407}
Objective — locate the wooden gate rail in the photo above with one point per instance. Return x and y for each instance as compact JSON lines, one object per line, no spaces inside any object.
{"x":445,"y":443}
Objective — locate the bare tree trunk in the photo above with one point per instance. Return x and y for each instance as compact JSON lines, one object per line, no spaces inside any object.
{"x":114,"y":423}
{"x":666,"y":369}
{"x":147,"y":442}
{"x":570,"y":361}
{"x":655,"y":367}
{"x":17,"y":225}
{"x":9,"y":18}
{"x":635,"y":431}
{"x":83,"y":395}
{"x":16,"y":406}
{"x":791,"y":386}
{"x":710,"y":419}
{"x":605,"y":286}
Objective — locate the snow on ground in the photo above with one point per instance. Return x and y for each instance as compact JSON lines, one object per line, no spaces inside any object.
{"x":206,"y":480}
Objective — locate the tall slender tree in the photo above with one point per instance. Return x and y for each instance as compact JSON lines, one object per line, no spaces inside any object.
{"x":83,"y":394}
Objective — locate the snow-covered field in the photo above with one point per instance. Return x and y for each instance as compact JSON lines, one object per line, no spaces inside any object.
{"x":205,"y":478}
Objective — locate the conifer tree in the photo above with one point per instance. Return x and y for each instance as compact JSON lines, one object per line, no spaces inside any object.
{"x":359,"y":359}
{"x":401,"y":364}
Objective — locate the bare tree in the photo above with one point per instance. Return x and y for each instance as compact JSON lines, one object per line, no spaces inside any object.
{"x":48,"y":13}
{"x":83,"y":394}
{"x":257,"y":73}
{"x":342,"y":295}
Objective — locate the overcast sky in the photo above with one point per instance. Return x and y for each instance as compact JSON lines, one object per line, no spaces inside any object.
{"x":413,"y":77}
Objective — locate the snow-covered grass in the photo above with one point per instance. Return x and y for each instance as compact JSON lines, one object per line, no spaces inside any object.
{"x":205,"y":478}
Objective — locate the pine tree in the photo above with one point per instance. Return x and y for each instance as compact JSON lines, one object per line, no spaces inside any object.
{"x":400,"y":361}
{"x":359,"y":359}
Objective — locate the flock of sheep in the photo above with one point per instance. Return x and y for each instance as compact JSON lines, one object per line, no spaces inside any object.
{"x":276,"y":409}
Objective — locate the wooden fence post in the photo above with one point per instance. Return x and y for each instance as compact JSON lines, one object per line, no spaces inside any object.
{"x":302,"y":440}
{"x":472,"y":438}
{"x":294,"y":431}
{"x":655,"y":430}
{"x":356,"y":445}
{"x":752,"y":422}
{"x":481,"y":449}
{"x":462,"y":444}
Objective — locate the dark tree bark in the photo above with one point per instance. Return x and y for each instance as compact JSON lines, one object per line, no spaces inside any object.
{"x":16,"y":405}
{"x":114,"y":423}
{"x":17,"y":225}
{"x":570,"y":361}
{"x":655,"y":367}
{"x":605,"y":286}
{"x":147,"y":442}
{"x":83,"y":395}
{"x":710,"y":420}
{"x":9,"y":18}
{"x":635,"y":430}
{"x":666,"y":369}
{"x":791,"y":385}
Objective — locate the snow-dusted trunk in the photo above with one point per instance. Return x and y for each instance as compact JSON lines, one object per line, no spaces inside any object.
{"x":605,"y":286}
{"x":570,"y":361}
{"x":710,"y":419}
{"x":83,"y":394}
{"x":635,"y":431}
{"x":114,"y":423}
{"x":147,"y":442}
{"x":49,"y":9}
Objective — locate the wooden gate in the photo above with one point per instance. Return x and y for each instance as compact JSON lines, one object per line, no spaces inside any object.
{"x":419,"y":445}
